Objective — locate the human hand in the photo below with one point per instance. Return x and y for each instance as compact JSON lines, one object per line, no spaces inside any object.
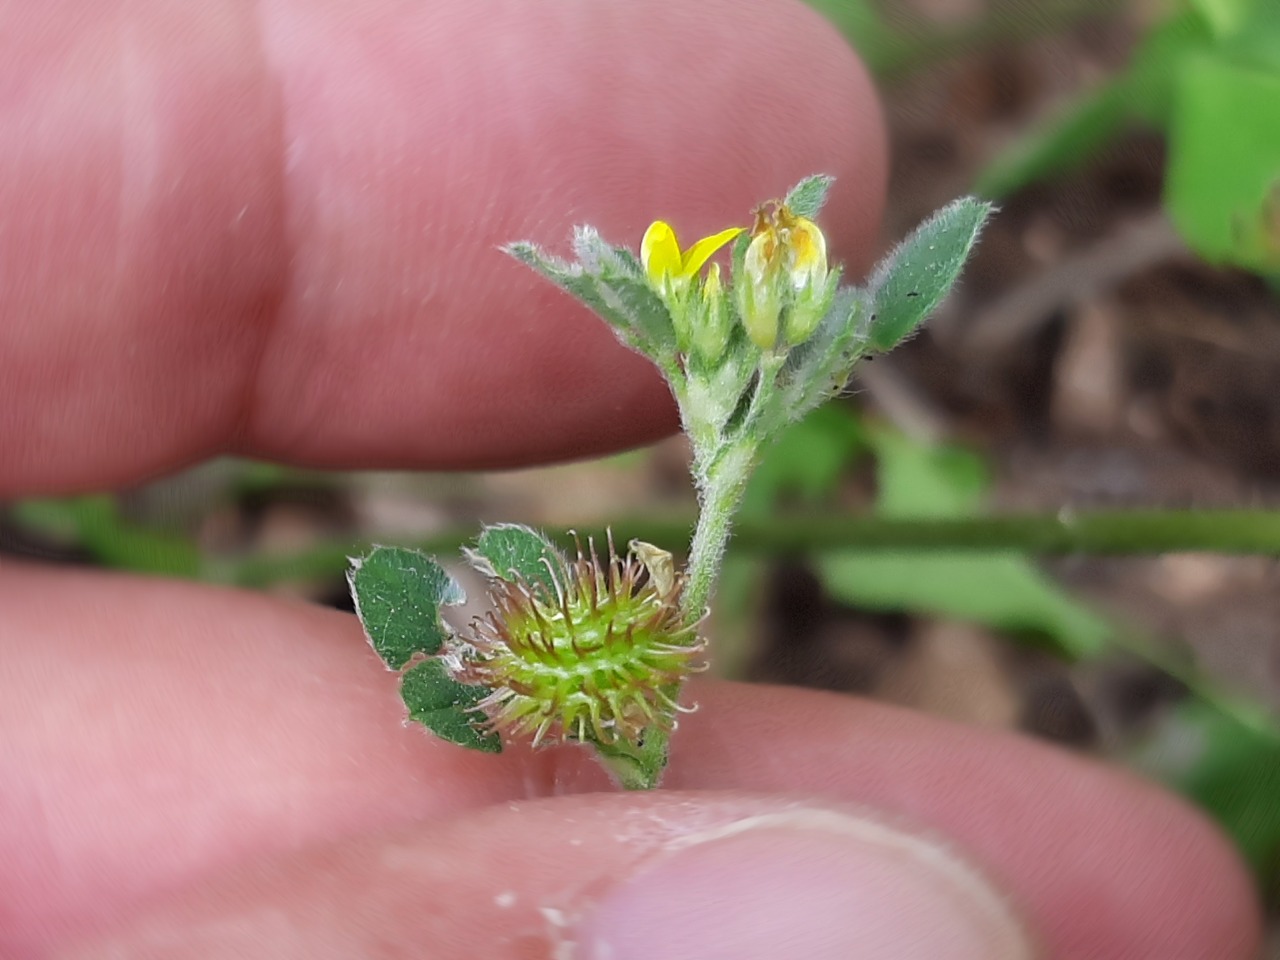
{"x":271,"y":229}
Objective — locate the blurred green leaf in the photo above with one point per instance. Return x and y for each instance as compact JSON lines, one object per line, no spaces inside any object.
{"x":881,"y":47}
{"x":910,"y":282}
{"x":1224,"y":16}
{"x":1256,"y":42}
{"x":1232,"y":771}
{"x":1153,"y":74}
{"x":894,"y":41}
{"x":95,"y":524}
{"x":398,"y":594}
{"x":1058,"y":146}
{"x":1225,"y":163}
{"x":1001,"y":589}
{"x":1144,"y":92}
{"x":804,"y":463}
{"x":446,"y":707}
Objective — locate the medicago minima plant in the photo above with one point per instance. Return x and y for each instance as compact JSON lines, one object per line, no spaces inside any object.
{"x":594,"y":647}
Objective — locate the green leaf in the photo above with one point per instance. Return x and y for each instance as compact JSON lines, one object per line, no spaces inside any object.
{"x":1157,"y":63}
{"x":1061,"y":145}
{"x":647,"y":316}
{"x":584,"y":287}
{"x":1224,"y":16}
{"x":1002,"y":589}
{"x":608,"y":280}
{"x":96,"y":524}
{"x":808,"y":196}
{"x":805,"y":463}
{"x":1224,"y":166}
{"x":626,"y":292}
{"x":398,"y":594}
{"x":446,"y":707}
{"x":509,"y":550}
{"x":1256,"y":42}
{"x":1232,"y":771}
{"x":802,"y":466}
{"x":910,"y":283}
{"x":880,"y":45}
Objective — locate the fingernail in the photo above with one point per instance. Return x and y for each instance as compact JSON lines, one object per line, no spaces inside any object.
{"x":811,"y":884}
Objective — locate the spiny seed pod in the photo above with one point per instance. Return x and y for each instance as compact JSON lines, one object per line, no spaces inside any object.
{"x":589,"y":656}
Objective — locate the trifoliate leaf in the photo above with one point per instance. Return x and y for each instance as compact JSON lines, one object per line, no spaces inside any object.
{"x":446,"y":707}
{"x":398,"y":594}
{"x":910,"y":283}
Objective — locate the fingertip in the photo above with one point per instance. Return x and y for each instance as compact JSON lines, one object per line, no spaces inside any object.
{"x":679,"y":876}
{"x":273,"y":227}
{"x":1107,"y":864}
{"x":424,"y":138}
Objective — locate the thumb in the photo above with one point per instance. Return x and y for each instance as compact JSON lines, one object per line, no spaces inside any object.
{"x":672,"y":875}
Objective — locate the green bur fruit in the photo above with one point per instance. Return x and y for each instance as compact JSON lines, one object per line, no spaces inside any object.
{"x":584,"y":651}
{"x":572,"y":649}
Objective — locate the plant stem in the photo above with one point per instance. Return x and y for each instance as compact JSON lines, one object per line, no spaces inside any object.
{"x":1110,"y":533}
{"x":721,"y":489}
{"x":636,"y":768}
{"x":722,"y":480}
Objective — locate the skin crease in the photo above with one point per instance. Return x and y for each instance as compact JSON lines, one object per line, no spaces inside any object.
{"x":270,"y":229}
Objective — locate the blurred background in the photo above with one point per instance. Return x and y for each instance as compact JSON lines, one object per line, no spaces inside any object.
{"x":1114,"y":347}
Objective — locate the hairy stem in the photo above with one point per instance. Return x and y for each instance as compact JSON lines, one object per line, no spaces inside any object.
{"x":721,"y":487}
{"x":722,"y":480}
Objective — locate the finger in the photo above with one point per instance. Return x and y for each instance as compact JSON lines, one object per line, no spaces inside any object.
{"x":682,"y":876}
{"x":151,"y":732}
{"x":272,"y":226}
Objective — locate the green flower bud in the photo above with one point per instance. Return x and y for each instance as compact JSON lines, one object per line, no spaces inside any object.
{"x":809,"y":307}
{"x":760,"y":292}
{"x":711,"y":325}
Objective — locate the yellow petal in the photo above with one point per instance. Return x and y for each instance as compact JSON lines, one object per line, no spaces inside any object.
{"x":810,"y":246}
{"x":701,"y":251}
{"x":659,"y":251}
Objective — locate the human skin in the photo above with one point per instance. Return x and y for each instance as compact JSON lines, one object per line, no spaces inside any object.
{"x":270,"y":229}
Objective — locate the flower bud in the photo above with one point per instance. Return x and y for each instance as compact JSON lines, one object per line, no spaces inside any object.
{"x":712,"y":324}
{"x":759,"y":295}
{"x":785,"y":279}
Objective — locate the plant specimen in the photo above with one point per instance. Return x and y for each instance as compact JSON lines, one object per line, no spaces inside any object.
{"x":594,"y":647}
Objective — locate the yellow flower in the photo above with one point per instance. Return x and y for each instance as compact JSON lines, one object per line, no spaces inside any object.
{"x":786,"y":250}
{"x":809,"y":248}
{"x":668,"y":268}
{"x":782,"y":241}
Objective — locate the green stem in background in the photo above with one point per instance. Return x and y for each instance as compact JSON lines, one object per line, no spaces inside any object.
{"x":115,"y":542}
{"x":98,"y":528}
